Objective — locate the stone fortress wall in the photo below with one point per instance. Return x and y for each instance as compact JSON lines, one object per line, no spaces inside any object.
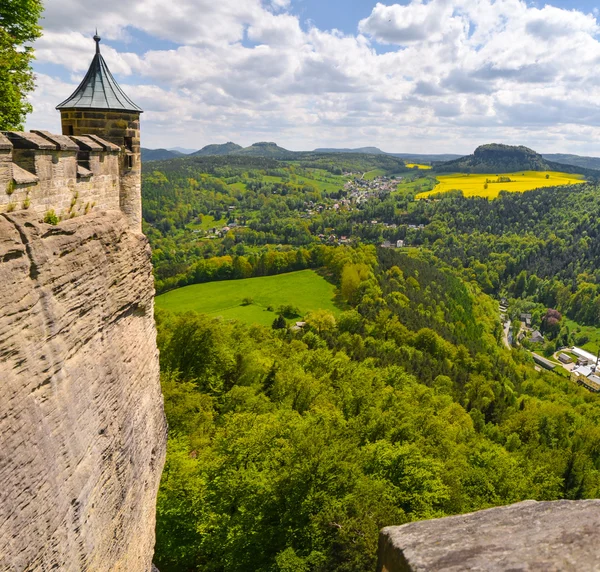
{"x":70,"y":175}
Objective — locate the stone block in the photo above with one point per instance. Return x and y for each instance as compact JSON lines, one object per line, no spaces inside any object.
{"x":23,"y":140}
{"x":61,"y":142}
{"x":5,"y":143}
{"x":94,"y":115}
{"x":527,"y":536}
{"x":83,"y":124}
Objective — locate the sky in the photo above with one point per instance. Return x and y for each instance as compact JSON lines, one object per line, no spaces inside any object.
{"x":416,"y":76}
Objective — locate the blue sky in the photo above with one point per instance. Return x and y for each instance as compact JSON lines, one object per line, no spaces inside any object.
{"x":412,"y":76}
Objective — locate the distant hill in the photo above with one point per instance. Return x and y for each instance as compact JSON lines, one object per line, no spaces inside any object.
{"x":159,"y":154}
{"x":496,"y":158}
{"x":216,"y":149}
{"x":411,"y":157}
{"x":425,"y":158}
{"x":575,"y":160}
{"x":266,"y":149}
{"x":365,"y":150}
{"x":182,"y":150}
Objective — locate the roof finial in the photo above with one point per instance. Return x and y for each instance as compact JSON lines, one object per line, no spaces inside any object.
{"x":97,"y":39}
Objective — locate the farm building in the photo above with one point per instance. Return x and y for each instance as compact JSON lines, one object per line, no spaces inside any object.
{"x":564,"y":358}
{"x":545,"y":363}
{"x":537,"y":338}
{"x":583,"y":357}
{"x":526,"y":318}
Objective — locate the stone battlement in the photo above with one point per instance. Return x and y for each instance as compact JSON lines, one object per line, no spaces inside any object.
{"x":70,"y":175}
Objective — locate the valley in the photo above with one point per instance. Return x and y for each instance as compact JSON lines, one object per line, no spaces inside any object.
{"x":320,"y":327}
{"x":321,"y":292}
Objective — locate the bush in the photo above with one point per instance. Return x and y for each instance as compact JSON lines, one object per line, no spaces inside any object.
{"x":247,"y":301}
{"x":288,"y":311}
{"x":50,"y":217}
{"x":279,"y":323}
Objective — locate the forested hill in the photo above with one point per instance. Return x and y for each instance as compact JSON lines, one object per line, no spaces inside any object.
{"x":266,"y":149}
{"x":224,"y":165}
{"x":224,"y":149}
{"x":575,"y":160}
{"x":289,"y":450}
{"x":498,"y":158}
{"x":159,"y":154}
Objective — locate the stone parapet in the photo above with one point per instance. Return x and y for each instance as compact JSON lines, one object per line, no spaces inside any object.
{"x":527,"y":536}
{"x":42,"y":172}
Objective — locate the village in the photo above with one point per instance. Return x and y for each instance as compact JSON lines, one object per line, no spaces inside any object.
{"x":583,"y":367}
{"x":361,"y":190}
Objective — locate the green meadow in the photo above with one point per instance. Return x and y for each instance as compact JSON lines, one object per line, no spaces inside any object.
{"x":590,"y":332}
{"x":370,"y":175}
{"x":319,"y":178}
{"x":208,"y":221}
{"x":304,"y":289}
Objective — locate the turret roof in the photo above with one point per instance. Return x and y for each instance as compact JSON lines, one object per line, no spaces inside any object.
{"x":99,"y":90}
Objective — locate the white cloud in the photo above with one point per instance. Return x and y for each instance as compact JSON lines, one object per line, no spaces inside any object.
{"x":455,"y":73}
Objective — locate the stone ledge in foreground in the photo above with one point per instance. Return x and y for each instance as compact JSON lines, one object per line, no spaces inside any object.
{"x":527,"y":536}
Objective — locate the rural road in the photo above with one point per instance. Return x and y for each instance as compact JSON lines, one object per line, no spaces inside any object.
{"x":505,"y":334}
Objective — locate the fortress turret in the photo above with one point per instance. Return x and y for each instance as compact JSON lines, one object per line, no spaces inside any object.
{"x":100,"y":107}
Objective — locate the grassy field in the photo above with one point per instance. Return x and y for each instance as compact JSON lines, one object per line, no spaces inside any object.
{"x":415,"y":186}
{"x":304,"y":289}
{"x":418,"y":166}
{"x":593,"y":335}
{"x":475,"y":185}
{"x":208,"y":222}
{"x":320,"y":179}
{"x":238,"y":186}
{"x":370,"y":175}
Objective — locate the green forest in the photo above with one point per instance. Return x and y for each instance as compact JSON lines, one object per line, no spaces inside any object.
{"x":289,"y":449}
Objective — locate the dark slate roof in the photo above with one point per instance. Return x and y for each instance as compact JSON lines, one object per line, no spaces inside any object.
{"x":99,"y":90}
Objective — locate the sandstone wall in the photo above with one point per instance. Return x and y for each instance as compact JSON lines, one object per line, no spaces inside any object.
{"x":123,"y":129}
{"x":82,"y":428}
{"x":41,"y":171}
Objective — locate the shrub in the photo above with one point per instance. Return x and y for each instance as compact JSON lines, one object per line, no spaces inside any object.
{"x":288,"y":311}
{"x":50,"y":217}
{"x":247,"y":301}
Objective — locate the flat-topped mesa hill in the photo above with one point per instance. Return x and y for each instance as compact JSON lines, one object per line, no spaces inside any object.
{"x":499,"y":158}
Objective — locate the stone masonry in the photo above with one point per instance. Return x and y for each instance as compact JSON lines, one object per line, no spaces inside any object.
{"x":121,"y":128}
{"x":72,"y":176}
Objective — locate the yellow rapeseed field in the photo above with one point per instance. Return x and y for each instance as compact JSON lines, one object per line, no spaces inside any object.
{"x":417,"y":165}
{"x":490,"y":187}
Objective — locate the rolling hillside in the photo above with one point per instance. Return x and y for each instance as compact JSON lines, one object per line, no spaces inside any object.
{"x":159,"y":154}
{"x":216,"y":149}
